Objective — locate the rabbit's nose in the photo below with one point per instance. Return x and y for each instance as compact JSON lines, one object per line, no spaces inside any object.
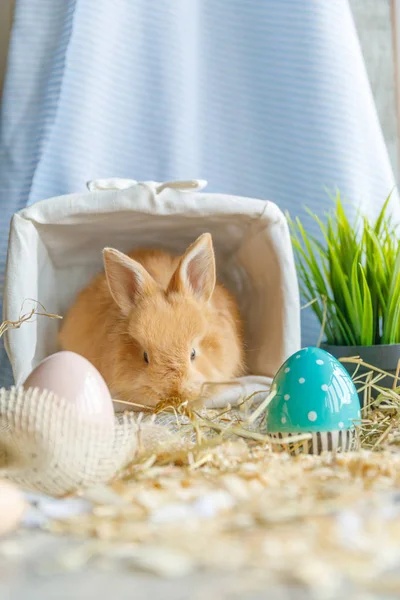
{"x":177,"y":391}
{"x":170,"y":401}
{"x":183,"y":394}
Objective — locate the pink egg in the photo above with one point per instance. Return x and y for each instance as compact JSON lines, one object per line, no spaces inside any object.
{"x":74,"y":378}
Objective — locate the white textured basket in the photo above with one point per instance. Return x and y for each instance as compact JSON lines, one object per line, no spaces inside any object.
{"x":56,"y":245}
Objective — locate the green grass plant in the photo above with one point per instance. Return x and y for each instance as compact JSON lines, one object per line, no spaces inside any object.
{"x":352,"y":278}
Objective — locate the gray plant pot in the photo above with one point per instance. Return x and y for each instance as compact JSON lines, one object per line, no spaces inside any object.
{"x":383,"y":357}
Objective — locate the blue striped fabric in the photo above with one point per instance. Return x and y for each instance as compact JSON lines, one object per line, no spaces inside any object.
{"x":262,"y":98}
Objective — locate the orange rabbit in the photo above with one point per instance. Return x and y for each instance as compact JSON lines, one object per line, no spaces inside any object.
{"x":157,"y":326}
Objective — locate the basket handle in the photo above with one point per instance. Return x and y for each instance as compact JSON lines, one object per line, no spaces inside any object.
{"x":190,"y":185}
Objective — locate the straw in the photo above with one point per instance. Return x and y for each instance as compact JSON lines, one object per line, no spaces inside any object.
{"x":27,"y":317}
{"x":220,"y":499}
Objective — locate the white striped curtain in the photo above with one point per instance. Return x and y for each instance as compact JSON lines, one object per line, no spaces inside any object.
{"x":263,"y":98}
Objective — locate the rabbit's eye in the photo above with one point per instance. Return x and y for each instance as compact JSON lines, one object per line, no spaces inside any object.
{"x":146,"y":358}
{"x":193,"y":354}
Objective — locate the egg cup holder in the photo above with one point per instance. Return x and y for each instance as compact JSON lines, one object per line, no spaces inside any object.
{"x":47,"y":445}
{"x":321,"y":441}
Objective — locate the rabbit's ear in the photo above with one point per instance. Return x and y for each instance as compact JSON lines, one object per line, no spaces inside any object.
{"x":128,"y":280}
{"x":195,"y":273}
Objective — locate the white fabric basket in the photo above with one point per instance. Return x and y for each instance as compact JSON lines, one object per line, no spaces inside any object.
{"x":55,"y":248}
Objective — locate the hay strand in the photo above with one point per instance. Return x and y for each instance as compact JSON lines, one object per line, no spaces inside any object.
{"x":27,"y":317}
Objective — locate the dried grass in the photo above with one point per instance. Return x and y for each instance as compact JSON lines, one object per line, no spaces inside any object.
{"x":226,"y":501}
{"x":222,"y":499}
{"x":315,"y":521}
{"x":379,"y":428}
{"x":27,"y":317}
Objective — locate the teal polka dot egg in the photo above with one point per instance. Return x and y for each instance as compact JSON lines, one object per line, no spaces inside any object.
{"x":315,"y":394}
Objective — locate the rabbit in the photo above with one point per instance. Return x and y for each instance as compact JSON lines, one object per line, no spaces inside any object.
{"x":157,"y":326}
